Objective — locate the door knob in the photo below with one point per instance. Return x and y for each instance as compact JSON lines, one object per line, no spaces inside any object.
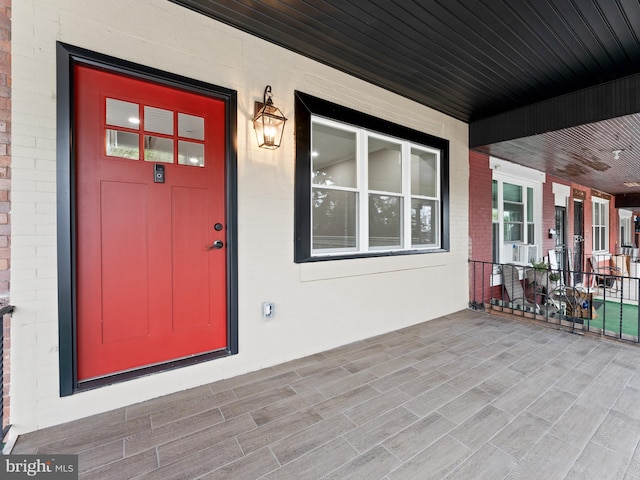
{"x":218,"y":244}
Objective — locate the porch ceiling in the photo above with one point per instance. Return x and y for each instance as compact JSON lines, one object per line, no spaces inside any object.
{"x":488,"y":63}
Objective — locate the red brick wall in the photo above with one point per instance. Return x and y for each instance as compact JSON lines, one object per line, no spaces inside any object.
{"x":479,"y":207}
{"x":614,"y":226}
{"x":479,"y":226}
{"x":5,"y":185}
{"x":548,"y":216}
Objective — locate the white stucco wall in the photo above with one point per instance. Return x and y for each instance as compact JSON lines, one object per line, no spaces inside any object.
{"x":318,"y":306}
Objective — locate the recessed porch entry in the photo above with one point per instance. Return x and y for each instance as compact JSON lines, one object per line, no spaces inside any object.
{"x":151,"y":263}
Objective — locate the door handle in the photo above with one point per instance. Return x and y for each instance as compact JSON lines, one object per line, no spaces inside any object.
{"x":218,"y":244}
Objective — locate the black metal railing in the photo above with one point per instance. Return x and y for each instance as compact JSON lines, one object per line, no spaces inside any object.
{"x":605,"y":303}
{"x":7,"y":309}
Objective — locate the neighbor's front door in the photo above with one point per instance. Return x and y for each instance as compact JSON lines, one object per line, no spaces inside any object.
{"x":151,"y":263}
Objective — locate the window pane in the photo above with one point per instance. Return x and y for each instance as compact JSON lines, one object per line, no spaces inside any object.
{"x":190,"y":126}
{"x":601,"y":214}
{"x":597,"y":243}
{"x":334,"y":219}
{"x":513,"y":232}
{"x":385,"y":166}
{"x":494,"y":201}
{"x":495,"y":243}
{"x":190,"y":153}
{"x":122,"y":114}
{"x":424,"y":171}
{"x":424,"y":222}
{"x":333,"y":156}
{"x":385,"y":221}
{"x":158,"y":120}
{"x":122,"y":144}
{"x":512,"y":193}
{"x":513,"y":212}
{"x":531,"y":231}
{"x":158,"y":149}
{"x":529,"y":204}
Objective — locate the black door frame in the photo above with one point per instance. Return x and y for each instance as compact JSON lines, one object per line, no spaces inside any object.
{"x":67,"y":57}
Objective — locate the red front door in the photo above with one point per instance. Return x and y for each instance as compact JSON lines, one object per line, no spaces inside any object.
{"x":151,"y":262}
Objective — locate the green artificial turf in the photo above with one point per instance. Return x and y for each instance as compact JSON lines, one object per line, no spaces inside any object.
{"x":609,"y":312}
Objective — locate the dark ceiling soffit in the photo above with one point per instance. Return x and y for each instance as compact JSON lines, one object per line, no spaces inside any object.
{"x":628,"y":200}
{"x":601,"y":102}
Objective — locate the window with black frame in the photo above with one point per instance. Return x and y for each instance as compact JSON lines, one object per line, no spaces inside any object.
{"x":365,"y":186}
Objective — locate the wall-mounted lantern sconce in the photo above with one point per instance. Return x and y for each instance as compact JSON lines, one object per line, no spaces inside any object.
{"x":268,"y":122}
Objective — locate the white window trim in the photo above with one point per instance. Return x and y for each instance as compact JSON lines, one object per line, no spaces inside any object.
{"x":561,"y":194}
{"x":605,"y":203}
{"x":504,"y":171}
{"x":626,"y":219}
{"x":362,"y":190}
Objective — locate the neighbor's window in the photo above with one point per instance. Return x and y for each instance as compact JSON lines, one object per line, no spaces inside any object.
{"x":516,"y":213}
{"x":369,"y":193}
{"x":600,"y":225}
{"x":625,"y":227}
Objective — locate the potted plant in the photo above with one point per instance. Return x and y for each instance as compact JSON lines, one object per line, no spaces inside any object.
{"x":535,"y":274}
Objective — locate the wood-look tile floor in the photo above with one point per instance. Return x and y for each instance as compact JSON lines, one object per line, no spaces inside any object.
{"x":465,"y":396}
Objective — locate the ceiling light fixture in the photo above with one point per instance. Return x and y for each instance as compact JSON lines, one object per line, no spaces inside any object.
{"x":268,"y":122}
{"x":616,"y":154}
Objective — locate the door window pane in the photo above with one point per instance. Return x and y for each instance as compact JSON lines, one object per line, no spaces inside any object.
{"x":158,"y":149}
{"x":122,"y":114}
{"x":385,"y":221}
{"x":158,"y":120}
{"x":190,"y":153}
{"x":190,"y":126}
{"x":424,"y":173}
{"x":385,"y":166}
{"x":424,"y":222}
{"x":333,"y":156}
{"x":122,"y":144}
{"x":334,"y":219}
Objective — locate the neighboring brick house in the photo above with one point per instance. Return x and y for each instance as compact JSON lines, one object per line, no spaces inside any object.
{"x":551,"y":194}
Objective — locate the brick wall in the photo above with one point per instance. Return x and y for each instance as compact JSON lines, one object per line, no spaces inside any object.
{"x":480,"y":234}
{"x":479,"y":207}
{"x":5,"y":187}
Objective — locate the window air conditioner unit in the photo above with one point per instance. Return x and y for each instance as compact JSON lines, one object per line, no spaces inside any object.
{"x":523,"y":253}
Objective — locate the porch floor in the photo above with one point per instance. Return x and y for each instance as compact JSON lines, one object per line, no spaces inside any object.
{"x":466,"y":396}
